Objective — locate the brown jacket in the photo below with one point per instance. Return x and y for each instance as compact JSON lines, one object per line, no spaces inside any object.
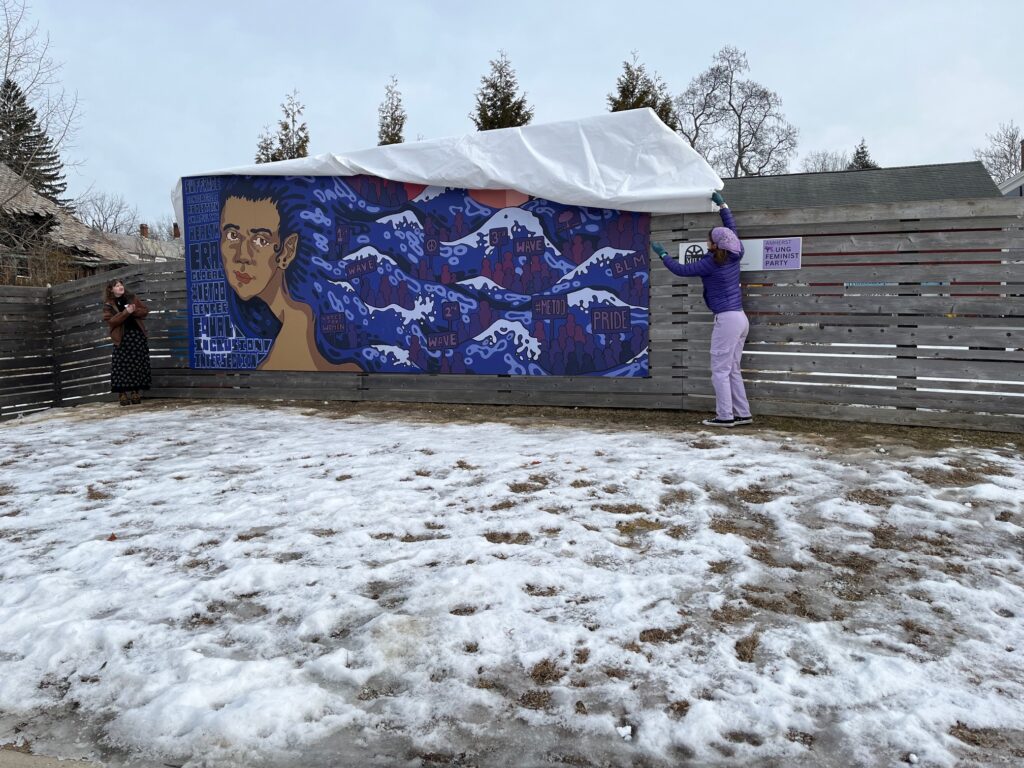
{"x":115,"y":320}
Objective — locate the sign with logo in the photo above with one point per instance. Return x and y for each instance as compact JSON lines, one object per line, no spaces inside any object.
{"x":759,"y":255}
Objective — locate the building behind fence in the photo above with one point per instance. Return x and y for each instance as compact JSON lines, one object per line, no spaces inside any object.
{"x":902,"y":313}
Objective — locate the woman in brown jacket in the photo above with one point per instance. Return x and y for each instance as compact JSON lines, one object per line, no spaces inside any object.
{"x":129,"y":363}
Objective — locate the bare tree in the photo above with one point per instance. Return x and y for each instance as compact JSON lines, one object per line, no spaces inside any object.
{"x":162,"y":229}
{"x":735,"y":123}
{"x":823,"y":161}
{"x":108,"y":213}
{"x":1002,"y":157}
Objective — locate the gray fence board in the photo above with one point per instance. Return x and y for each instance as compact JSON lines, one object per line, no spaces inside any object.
{"x":806,"y":319}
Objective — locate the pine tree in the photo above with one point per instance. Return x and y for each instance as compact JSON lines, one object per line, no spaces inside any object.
{"x":636,"y":88}
{"x":497,"y":102}
{"x":391,"y":116}
{"x":861,"y":159}
{"x":292,"y":137}
{"x":25,"y":148}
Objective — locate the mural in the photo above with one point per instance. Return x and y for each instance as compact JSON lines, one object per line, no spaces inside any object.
{"x":359,"y":273}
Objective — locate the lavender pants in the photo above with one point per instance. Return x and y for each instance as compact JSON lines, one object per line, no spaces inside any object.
{"x":726,"y":348}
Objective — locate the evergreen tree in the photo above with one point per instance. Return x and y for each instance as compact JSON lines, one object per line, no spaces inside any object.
{"x":498,"y":104}
{"x":391,"y":116}
{"x":861,"y":159}
{"x":292,"y":137}
{"x":636,"y":88}
{"x":24,"y":146}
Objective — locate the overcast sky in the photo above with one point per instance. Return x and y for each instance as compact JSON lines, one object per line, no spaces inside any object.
{"x":176,"y":88}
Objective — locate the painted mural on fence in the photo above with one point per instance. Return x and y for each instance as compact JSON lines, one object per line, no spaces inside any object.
{"x":363,"y":274}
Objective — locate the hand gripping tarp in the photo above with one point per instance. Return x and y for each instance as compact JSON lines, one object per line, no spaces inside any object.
{"x":628,"y":161}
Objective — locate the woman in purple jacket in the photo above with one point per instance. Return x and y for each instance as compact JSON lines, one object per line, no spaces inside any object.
{"x":719,"y":270}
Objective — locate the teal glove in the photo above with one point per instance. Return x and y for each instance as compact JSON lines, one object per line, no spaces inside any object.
{"x":717,"y":199}
{"x":659,"y":249}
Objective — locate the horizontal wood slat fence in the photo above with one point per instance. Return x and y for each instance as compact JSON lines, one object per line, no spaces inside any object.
{"x":907,"y":313}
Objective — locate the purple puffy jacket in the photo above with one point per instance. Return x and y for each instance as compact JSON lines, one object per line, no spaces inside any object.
{"x":721,"y":282}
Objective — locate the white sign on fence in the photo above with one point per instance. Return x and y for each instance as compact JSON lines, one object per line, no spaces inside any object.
{"x":759,"y":255}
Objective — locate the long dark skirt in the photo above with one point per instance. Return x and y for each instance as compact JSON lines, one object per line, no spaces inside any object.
{"x":129,"y":364}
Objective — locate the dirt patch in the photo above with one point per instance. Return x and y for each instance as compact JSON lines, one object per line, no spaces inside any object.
{"x":463,"y":464}
{"x":343,"y":478}
{"x":746,"y":647}
{"x":871,"y":497}
{"x":504,"y":504}
{"x":678,"y":709}
{"x":506,"y":537}
{"x":719,"y":566}
{"x":637,"y":527}
{"x":6,"y":490}
{"x":623,"y":509}
{"x":853,"y":561}
{"x":534,"y":590}
{"x":676,"y":497}
{"x":463,"y":610}
{"x":546,"y":672}
{"x":704,"y":445}
{"x":581,"y":483}
{"x":96,"y":494}
{"x":991,"y":739}
{"x":658,"y":635}
{"x":533,"y":484}
{"x":535,"y":699}
{"x":754,"y":527}
{"x":757,"y":494}
{"x":947,"y":477}
{"x":413,"y":538}
{"x":581,"y":656}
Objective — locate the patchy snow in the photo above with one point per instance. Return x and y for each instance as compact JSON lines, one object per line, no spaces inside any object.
{"x":229,"y":584}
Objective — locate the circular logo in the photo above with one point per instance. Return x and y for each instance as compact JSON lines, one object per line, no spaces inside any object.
{"x":693,"y":253}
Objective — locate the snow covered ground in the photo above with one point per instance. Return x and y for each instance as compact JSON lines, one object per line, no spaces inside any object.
{"x":230,"y":584}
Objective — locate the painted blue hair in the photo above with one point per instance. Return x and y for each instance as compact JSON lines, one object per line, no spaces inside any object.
{"x":304,"y":212}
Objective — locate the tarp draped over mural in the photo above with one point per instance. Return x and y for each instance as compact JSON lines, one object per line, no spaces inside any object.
{"x":440,"y":256}
{"x":364,"y":274}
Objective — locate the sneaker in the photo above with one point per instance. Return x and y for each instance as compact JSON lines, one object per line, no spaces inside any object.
{"x":719,"y":422}
{"x":136,"y":398}
{"x":740,"y":421}
{"x":123,"y":398}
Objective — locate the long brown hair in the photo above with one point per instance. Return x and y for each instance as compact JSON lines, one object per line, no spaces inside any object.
{"x":108,"y":292}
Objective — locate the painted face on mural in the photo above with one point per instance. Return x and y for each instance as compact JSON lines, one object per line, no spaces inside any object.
{"x":251,"y":249}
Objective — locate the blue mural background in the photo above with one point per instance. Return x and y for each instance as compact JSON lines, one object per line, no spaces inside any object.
{"x":410,"y":279}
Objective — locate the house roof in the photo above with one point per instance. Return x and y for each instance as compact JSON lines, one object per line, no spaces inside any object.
{"x":147,"y":248}
{"x":1012,"y":183}
{"x":881,"y":185}
{"x":18,"y":197}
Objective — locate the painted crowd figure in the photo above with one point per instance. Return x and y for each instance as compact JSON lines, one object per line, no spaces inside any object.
{"x":123,"y":312}
{"x":719,"y":271}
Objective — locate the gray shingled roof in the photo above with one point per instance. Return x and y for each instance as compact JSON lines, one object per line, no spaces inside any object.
{"x":19,"y":198}
{"x":882,"y":185}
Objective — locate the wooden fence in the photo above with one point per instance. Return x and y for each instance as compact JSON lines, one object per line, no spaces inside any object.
{"x":906,"y":313}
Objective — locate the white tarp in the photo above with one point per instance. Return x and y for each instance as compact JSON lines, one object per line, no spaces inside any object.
{"x":628,"y":161}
